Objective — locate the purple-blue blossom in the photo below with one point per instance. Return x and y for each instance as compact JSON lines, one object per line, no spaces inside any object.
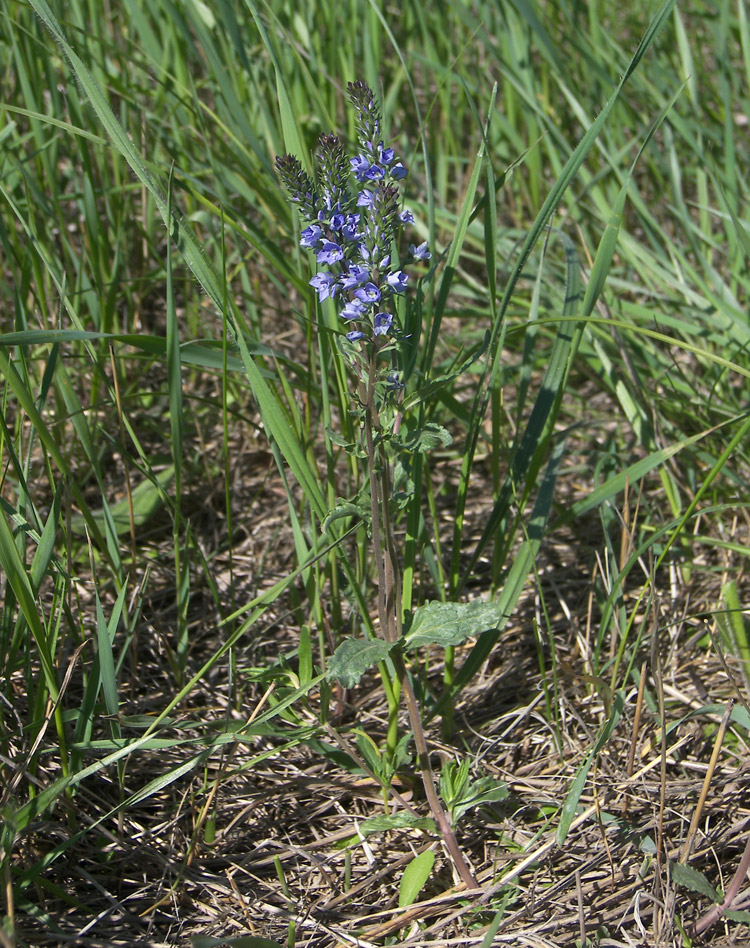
{"x":385,"y":155}
{"x":421,"y":252}
{"x":360,"y":166}
{"x":325,"y":284}
{"x":354,"y":309}
{"x":310,"y":236}
{"x":330,"y":252}
{"x":354,"y":228}
{"x":381,"y":323}
{"x":355,"y":276}
{"x":368,"y":294}
{"x":397,"y":281}
{"x":349,"y":229}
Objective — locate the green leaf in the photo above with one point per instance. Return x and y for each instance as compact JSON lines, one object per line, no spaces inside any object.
{"x":576,"y":789}
{"x":382,"y":824}
{"x":454,"y":780}
{"x":450,"y":623}
{"x":344,"y":510}
{"x":479,"y":793}
{"x":147,"y":498}
{"x":17,"y":579}
{"x":414,"y":877}
{"x":353,"y":657}
{"x":426,"y":439}
{"x":690,"y":878}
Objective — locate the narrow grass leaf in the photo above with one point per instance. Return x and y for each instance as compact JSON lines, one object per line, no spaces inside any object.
{"x":106,"y":631}
{"x":549,"y":206}
{"x":570,"y":806}
{"x":293,"y":142}
{"x":522,"y":565}
{"x":457,"y":243}
{"x":18,"y":580}
{"x":532,"y":442}
{"x":274,"y":420}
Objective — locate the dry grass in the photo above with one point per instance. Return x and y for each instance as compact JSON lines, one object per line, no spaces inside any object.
{"x":151,"y":878}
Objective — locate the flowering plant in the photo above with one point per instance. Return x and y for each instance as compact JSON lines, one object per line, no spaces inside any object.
{"x":353,"y":233}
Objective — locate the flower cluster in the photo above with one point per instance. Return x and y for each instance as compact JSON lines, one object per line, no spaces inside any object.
{"x":353,"y":233}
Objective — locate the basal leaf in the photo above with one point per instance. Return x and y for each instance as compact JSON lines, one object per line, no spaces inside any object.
{"x":415,"y":876}
{"x":450,"y":623}
{"x":481,"y":792}
{"x":382,"y":824}
{"x":353,"y":657}
{"x":690,"y":878}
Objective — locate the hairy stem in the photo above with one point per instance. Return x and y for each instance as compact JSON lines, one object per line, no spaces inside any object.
{"x":389,"y":610}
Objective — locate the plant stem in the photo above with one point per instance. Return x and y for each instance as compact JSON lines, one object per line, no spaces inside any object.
{"x":428,"y":777}
{"x":715,"y":913}
{"x":389,"y":607}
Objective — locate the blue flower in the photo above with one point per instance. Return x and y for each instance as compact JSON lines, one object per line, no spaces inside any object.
{"x":352,"y":231}
{"x":385,"y":155}
{"x":369,"y":294}
{"x":421,"y":252}
{"x":310,"y":236}
{"x":330,"y":253}
{"x":355,"y":276}
{"x":324,"y":283}
{"x":381,"y":323}
{"x":360,"y":166}
{"x":397,"y":281}
{"x":354,"y":309}
{"x":349,"y":230}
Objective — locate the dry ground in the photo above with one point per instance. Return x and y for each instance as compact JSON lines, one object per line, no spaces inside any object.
{"x":152,"y":879}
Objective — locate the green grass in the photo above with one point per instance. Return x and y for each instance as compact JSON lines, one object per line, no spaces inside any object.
{"x":171,"y":598}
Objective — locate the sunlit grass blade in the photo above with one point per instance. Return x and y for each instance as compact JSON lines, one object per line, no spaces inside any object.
{"x":198,"y":262}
